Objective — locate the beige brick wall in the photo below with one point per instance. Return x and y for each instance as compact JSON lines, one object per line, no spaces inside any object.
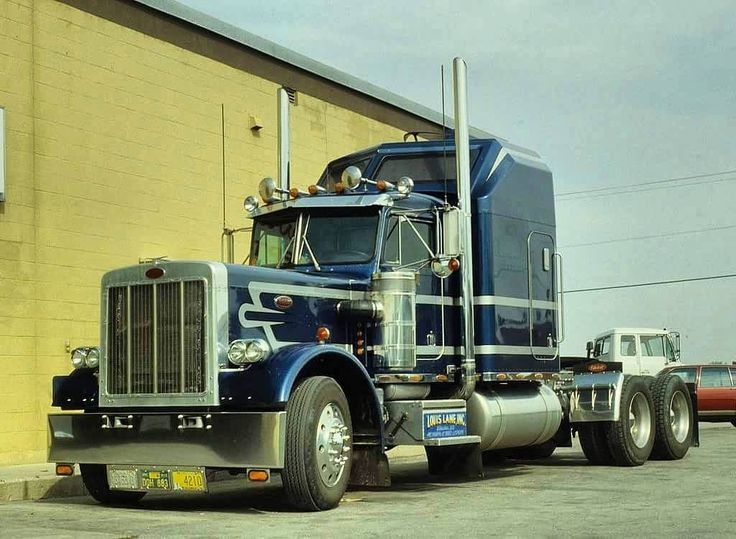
{"x":114,"y":153}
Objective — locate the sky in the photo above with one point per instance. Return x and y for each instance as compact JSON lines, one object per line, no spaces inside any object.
{"x":621,"y":100}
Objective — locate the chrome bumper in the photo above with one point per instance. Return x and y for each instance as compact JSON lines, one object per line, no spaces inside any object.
{"x":222,"y":440}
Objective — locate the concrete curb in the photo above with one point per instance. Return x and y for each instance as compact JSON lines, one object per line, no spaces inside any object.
{"x":37,"y":482}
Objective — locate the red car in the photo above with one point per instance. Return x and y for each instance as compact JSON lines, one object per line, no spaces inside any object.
{"x":716,"y":389}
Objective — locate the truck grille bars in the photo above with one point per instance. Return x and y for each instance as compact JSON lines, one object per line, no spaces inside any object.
{"x":156,"y":338}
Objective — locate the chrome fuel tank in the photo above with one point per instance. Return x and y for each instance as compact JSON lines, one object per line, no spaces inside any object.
{"x":514,"y":415}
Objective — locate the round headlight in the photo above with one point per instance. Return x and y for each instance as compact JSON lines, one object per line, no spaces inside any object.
{"x":78,"y":358}
{"x":405,"y":185}
{"x":352,"y":177}
{"x":250,"y":204}
{"x":267,"y":189}
{"x":93,"y":358}
{"x":244,"y":352}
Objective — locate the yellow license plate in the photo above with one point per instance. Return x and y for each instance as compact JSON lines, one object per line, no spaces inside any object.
{"x":191,"y":480}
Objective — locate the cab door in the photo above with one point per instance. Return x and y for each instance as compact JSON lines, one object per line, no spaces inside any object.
{"x":652,"y":357}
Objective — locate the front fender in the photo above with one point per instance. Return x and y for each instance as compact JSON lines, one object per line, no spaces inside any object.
{"x":269,"y":384}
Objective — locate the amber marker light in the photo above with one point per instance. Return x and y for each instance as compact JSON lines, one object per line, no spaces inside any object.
{"x":381,"y":184}
{"x":323,"y":334}
{"x":312,"y":190}
{"x":258,"y":475}
{"x":64,"y":469}
{"x":453,"y":264}
{"x":339,"y":187}
{"x":293,"y":192}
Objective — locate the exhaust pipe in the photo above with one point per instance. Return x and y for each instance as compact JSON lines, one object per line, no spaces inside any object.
{"x":283,"y":138}
{"x":462,"y":161}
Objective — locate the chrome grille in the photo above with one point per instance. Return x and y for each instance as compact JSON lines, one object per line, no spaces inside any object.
{"x":156,"y":338}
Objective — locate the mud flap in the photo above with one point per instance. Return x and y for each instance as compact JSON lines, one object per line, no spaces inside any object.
{"x":696,"y":418}
{"x":457,"y":460}
{"x":370,"y":467}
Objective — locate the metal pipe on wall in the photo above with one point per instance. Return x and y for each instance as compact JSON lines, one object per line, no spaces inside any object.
{"x":283,"y":138}
{"x":462,"y":161}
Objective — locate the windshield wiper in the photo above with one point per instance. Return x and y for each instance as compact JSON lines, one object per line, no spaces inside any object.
{"x":309,"y":248}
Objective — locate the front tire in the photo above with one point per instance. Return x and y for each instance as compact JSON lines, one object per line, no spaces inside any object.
{"x":318,"y":445}
{"x":674,"y":418}
{"x":94,"y":477}
{"x":631,"y":438}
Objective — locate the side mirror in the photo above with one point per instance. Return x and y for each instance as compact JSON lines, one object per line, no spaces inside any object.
{"x":589,"y":346}
{"x":451,"y":232}
{"x":675,"y":341}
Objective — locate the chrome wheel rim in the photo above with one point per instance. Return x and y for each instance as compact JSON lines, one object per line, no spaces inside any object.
{"x":640,"y":420}
{"x":679,"y":416}
{"x":332,"y":444}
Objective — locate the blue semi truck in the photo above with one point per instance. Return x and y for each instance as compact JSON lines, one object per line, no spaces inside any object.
{"x":411,"y":297}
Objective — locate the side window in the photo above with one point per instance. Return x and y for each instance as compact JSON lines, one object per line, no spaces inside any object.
{"x":652,"y":345}
{"x":628,"y":345}
{"x":733,"y":376}
{"x":687,"y":375}
{"x":602,"y":347}
{"x":715,"y":377}
{"x":405,"y":242}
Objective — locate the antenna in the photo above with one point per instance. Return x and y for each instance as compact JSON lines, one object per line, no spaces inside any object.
{"x":444,"y":129}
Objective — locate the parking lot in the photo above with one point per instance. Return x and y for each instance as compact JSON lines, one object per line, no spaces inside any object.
{"x":562,"y":495}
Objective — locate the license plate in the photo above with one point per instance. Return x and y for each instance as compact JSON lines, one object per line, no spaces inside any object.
{"x":157,"y":478}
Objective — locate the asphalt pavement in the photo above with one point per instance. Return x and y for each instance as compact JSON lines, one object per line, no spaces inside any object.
{"x":562,"y":495}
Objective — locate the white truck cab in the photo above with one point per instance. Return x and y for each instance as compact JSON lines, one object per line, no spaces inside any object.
{"x":644,"y":351}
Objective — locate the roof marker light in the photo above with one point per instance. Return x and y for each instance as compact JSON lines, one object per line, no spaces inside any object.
{"x":383,"y":185}
{"x":316,"y":189}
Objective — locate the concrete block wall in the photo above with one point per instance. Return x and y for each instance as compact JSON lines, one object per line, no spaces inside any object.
{"x":114,"y":152}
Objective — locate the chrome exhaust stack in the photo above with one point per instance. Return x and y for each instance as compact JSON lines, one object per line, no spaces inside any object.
{"x":283,"y":138}
{"x":462,"y":162}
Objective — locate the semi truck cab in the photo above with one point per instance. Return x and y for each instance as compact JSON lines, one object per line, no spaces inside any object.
{"x":644,"y":351}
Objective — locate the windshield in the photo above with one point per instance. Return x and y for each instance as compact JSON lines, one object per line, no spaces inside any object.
{"x":342,"y":236}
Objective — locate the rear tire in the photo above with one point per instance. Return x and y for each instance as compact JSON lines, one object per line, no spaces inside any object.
{"x":318,"y":445}
{"x":631,"y":438}
{"x":594,"y":444}
{"x":674,"y":418}
{"x":94,"y":477}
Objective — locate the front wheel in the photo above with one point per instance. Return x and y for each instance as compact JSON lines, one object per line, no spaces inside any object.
{"x":674,"y":412}
{"x":631,"y":438}
{"x":318,"y":445}
{"x":94,"y":477}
